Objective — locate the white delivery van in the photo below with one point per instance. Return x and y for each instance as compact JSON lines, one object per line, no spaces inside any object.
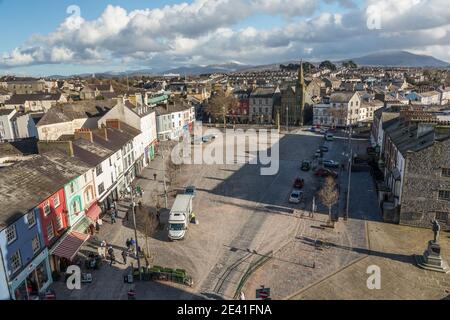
{"x":179,"y":216}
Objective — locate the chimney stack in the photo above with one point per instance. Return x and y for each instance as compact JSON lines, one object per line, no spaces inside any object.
{"x":85,"y":134}
{"x":113,"y":123}
{"x":103,"y":133}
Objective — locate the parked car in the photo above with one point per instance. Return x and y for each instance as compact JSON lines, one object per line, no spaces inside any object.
{"x":323,"y":148}
{"x":306,"y":165}
{"x":318,"y":153}
{"x":299,"y":183}
{"x":296,"y":196}
{"x":325,"y":173}
{"x":208,"y":138}
{"x":330,"y":164}
{"x":190,"y":190}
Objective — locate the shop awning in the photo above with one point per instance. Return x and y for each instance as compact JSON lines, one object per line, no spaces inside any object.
{"x":68,"y":247}
{"x":94,"y":212}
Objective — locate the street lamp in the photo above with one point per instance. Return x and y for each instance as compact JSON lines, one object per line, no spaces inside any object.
{"x":164,"y":179}
{"x":350,"y":158}
{"x":287,"y":119}
{"x":131,"y":192}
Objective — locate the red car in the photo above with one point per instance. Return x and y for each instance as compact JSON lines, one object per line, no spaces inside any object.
{"x":299,"y":183}
{"x":325,"y":173}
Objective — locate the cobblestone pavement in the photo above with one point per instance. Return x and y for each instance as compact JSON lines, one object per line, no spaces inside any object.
{"x":392,"y":249}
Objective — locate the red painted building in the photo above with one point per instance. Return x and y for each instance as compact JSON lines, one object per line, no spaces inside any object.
{"x":53,"y":213}
{"x":240,"y":113}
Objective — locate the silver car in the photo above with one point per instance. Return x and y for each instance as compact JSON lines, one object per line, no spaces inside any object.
{"x":296,"y":196}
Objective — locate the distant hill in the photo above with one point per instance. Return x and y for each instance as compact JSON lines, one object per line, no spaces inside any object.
{"x":399,"y":59}
{"x":215,"y":68}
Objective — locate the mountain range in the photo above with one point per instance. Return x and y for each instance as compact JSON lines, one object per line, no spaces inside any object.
{"x":382,"y":59}
{"x":399,"y":59}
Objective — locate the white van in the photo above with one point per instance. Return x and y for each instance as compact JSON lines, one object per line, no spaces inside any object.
{"x":179,"y":216}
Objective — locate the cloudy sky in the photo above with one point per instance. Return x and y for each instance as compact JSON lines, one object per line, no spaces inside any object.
{"x":65,"y":37}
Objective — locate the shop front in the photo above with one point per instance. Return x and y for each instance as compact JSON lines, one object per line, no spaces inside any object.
{"x":107,"y":201}
{"x":151,"y":152}
{"x":65,"y":250}
{"x":138,"y":165}
{"x":33,"y":280}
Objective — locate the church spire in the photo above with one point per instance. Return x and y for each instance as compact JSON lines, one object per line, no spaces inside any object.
{"x":301,"y":93}
{"x":301,"y":78}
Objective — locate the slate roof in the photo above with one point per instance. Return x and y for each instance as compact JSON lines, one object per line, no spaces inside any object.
{"x":27,"y":183}
{"x":5,"y":111}
{"x":341,"y":97}
{"x":19,"y":147}
{"x":116,"y":138}
{"x":171,"y":108}
{"x":22,"y":98}
{"x":263,"y":92}
{"x":66,"y":112}
{"x":404,"y":136}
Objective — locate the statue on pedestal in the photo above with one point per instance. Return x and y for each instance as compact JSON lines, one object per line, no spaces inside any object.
{"x":436,"y":228}
{"x":431,"y":259}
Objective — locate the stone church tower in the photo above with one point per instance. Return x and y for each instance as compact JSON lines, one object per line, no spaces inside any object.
{"x":300,"y":92}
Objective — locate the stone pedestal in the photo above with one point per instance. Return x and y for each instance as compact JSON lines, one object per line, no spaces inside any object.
{"x":432,"y":260}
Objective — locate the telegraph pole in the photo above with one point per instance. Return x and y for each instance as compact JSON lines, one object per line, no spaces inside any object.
{"x":164,"y":179}
{"x":287,"y":119}
{"x":350,"y":161}
{"x":135,"y":232}
{"x":224,"y":118}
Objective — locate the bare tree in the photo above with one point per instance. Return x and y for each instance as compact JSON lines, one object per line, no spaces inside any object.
{"x":149,"y":220}
{"x":339,"y":115}
{"x":171,"y":169}
{"x":220,"y":105}
{"x":329,"y":195}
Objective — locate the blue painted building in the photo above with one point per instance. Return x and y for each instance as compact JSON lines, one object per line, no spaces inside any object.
{"x":24,"y":257}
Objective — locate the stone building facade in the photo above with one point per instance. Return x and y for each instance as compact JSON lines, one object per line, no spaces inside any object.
{"x":426,"y":186}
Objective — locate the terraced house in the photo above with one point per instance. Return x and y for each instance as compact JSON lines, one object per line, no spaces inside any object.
{"x":32,"y":221}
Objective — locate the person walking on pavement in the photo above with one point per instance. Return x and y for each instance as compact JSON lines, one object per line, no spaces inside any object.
{"x":124,"y":257}
{"x":128,"y":244}
{"x":154,"y":176}
{"x":111,"y":255}
{"x":113,"y":216}
{"x":132,"y":245}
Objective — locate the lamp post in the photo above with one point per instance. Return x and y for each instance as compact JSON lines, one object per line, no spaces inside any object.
{"x":350,"y":158}
{"x":164,"y":179}
{"x":131,"y":191}
{"x":287,"y":119}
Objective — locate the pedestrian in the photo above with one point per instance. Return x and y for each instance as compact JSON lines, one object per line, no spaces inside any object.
{"x":154,"y":176}
{"x":91,"y":229}
{"x":113,"y":216}
{"x":97,"y":226}
{"x":111,"y":255}
{"x":132,"y":244}
{"x":124,"y":257}
{"x":128,"y":244}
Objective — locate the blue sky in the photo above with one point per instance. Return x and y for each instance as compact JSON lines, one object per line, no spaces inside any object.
{"x":113,"y":36}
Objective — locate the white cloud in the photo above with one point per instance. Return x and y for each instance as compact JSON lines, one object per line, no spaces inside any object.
{"x":204,"y":32}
